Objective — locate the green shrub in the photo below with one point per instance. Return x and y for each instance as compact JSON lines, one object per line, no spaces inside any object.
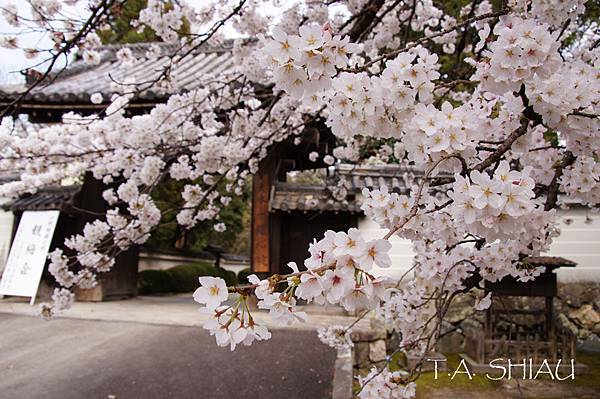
{"x":182,"y":278}
{"x":242,"y":276}
{"x":154,"y":282}
{"x":227,"y":275}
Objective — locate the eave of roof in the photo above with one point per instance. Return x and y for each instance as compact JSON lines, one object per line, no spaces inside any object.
{"x":288,"y":197}
{"x":49,"y":198}
{"x":73,"y":87}
{"x":549,"y":261}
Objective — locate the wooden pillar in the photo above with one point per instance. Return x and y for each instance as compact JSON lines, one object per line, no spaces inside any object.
{"x":261,"y":188}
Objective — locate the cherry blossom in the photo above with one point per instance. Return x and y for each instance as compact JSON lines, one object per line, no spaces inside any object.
{"x":385,"y":385}
{"x":226,"y":329}
{"x":484,"y":302}
{"x":337,"y":337}
{"x":523,"y":48}
{"x":376,"y":252}
{"x":212,"y":292}
{"x":281,"y":308}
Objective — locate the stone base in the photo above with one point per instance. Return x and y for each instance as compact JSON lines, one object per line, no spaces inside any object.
{"x":370,"y":347}
{"x":101,"y":292}
{"x":94,"y":294}
{"x":342,"y":375}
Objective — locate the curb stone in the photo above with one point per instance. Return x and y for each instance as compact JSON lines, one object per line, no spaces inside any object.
{"x":342,"y":375}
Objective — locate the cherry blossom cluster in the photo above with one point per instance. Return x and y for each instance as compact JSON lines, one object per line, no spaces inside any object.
{"x":443,"y":269}
{"x":385,"y":208}
{"x":553,"y":12}
{"x":493,"y":207}
{"x":337,"y":273}
{"x":165,"y":19}
{"x":421,"y":16}
{"x":541,"y":162}
{"x":252,"y":22}
{"x":56,"y":19}
{"x":122,"y":152}
{"x":62,"y":298}
{"x":346,"y":260}
{"x":304,"y":65}
{"x":449,"y":269}
{"x":435,"y":133}
{"x":384,"y":384}
{"x":363,"y":104}
{"x":231,"y":325}
{"x":403,"y":312}
{"x":338,"y":337}
{"x":523,"y":48}
{"x":581,"y":180}
{"x":502,"y":207}
{"x":500,"y":259}
{"x":575,"y":87}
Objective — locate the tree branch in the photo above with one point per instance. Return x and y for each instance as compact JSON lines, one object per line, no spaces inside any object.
{"x":553,"y":188}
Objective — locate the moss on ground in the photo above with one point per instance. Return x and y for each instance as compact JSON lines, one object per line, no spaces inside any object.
{"x":461,"y":384}
{"x":592,"y":378}
{"x":427,"y":380}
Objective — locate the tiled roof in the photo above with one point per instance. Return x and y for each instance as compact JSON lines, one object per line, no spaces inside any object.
{"x":48,"y":198}
{"x":289,"y":197}
{"x":78,"y":82}
{"x":395,"y":177}
{"x":550,"y":261}
{"x":7,"y":177}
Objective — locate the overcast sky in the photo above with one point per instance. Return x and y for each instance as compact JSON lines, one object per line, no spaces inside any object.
{"x":11,"y":61}
{"x":14,"y":60}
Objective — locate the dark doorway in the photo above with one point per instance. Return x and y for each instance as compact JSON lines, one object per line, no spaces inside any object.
{"x":299,"y":229}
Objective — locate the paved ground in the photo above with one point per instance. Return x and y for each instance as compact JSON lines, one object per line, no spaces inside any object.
{"x":74,"y":359}
{"x":175,"y":310}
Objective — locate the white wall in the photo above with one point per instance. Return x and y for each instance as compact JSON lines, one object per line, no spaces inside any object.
{"x":150,"y":260}
{"x":401,"y":252}
{"x":579,"y":241}
{"x":161,"y":261}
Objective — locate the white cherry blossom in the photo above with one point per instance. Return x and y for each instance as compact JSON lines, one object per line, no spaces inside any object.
{"x":212,"y":292}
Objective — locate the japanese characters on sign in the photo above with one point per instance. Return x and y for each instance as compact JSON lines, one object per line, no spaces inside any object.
{"x":28,"y":253}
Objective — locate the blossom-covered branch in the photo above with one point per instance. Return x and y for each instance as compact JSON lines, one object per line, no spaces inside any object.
{"x":492,"y":110}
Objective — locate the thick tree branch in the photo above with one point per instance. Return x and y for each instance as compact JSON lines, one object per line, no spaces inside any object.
{"x":363,"y":22}
{"x":428,"y":38}
{"x":553,"y":188}
{"x":501,"y":149}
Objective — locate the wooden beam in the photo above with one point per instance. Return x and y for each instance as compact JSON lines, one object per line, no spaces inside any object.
{"x":261,"y":186}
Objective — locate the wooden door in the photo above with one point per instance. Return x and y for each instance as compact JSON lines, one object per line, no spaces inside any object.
{"x":299,"y":229}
